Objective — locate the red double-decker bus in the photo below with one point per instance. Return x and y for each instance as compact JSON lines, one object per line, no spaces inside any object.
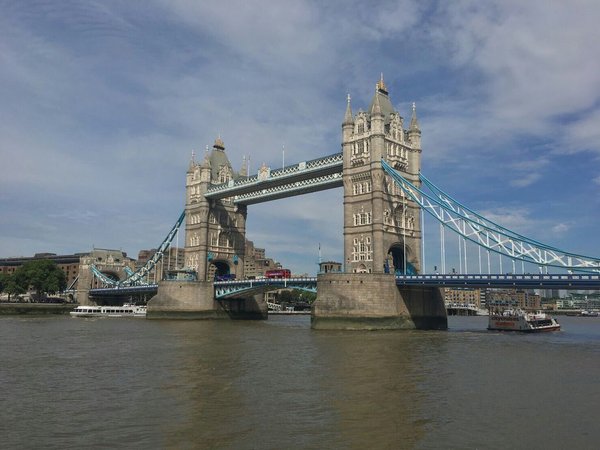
{"x":278,"y":273}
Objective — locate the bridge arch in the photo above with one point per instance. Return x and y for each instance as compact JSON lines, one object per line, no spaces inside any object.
{"x":111,"y":274}
{"x":396,"y":262}
{"x":362,"y":269}
{"x":219,"y":267}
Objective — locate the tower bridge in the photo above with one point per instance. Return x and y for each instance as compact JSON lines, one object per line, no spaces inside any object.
{"x":384,"y":284}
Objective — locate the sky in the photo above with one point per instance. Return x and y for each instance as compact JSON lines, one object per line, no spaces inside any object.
{"x":102,"y":103}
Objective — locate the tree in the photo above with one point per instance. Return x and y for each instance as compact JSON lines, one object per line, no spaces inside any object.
{"x":43,"y":275}
{"x":8,"y":284}
{"x":4,"y":277}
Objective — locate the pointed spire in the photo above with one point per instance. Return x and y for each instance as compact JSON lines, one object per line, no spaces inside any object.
{"x":348,"y":116}
{"x":206,"y":158}
{"x":381,"y":85}
{"x":376,"y":109}
{"x":414,"y":123}
{"x":219,"y":145}
{"x":244,"y":169}
{"x":192,"y":160}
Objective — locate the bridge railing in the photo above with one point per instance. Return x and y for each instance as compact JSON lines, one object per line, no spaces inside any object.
{"x":487,"y":234}
{"x":566,"y":281}
{"x":275,"y":174}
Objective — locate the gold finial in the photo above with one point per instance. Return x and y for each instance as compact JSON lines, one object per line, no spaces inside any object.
{"x":381,"y":84}
{"x":219,"y":143}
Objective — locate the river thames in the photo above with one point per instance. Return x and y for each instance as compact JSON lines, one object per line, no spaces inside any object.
{"x":72,"y":383}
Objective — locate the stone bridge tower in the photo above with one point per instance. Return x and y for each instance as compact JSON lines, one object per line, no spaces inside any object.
{"x":382,"y":229}
{"x":215,"y":230}
{"x":113,"y":264}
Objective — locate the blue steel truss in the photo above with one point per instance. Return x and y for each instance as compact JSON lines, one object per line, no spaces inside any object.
{"x":487,"y":234}
{"x":524,"y":281}
{"x":302,"y":178}
{"x":243,"y":288}
{"x":137,"y":278}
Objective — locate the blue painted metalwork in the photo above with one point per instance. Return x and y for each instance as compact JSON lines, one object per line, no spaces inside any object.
{"x":243,"y":288}
{"x":106,"y":281}
{"x":124,"y":290}
{"x":527,"y":281}
{"x":137,"y":277}
{"x":302,"y":178}
{"x":487,"y":234}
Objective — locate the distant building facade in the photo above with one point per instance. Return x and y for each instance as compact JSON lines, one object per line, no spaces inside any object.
{"x":462,"y":296}
{"x":256,"y":262}
{"x":512,"y":298}
{"x":330,"y":266}
{"x":173,"y":259}
{"x":69,"y":264}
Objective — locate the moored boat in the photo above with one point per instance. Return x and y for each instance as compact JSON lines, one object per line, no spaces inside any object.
{"x":519,"y":320}
{"x":127,"y":310}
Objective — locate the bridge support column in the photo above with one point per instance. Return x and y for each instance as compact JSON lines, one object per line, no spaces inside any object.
{"x":352,"y":301}
{"x":196,"y":300}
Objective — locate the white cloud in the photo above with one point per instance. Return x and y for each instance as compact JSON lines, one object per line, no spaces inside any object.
{"x":103,"y":103}
{"x":561,"y":228}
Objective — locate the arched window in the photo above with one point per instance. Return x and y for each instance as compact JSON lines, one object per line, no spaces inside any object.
{"x":223,"y":240}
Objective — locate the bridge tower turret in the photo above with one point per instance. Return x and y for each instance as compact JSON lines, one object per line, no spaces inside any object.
{"x":414,"y":137}
{"x":382,"y":231}
{"x":215,"y":230}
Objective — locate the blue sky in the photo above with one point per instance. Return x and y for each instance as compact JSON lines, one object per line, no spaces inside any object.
{"x":102,"y":103}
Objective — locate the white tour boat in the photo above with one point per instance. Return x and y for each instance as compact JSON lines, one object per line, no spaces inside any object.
{"x":519,"y":320}
{"x":127,"y":310}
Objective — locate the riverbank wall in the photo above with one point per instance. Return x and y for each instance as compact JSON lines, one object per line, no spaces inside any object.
{"x":12,"y":309}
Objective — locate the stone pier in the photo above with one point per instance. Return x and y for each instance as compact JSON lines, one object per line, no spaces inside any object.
{"x":178,"y":299}
{"x":351,"y":301}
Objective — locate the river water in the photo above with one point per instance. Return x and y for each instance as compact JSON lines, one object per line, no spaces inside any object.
{"x":72,"y":383}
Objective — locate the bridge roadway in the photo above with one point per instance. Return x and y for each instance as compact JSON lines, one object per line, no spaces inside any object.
{"x":223,"y":289}
{"x":515,"y":281}
{"x":302,"y":178}
{"x":243,"y":288}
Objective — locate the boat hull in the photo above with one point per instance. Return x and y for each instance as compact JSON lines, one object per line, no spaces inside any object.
{"x":523,"y":322}
{"x":109,"y":311}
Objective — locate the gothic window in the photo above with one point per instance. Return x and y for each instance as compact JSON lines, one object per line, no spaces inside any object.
{"x":223,"y":241}
{"x":361,"y":269}
{"x":399,"y":216}
{"x":213,"y":239}
{"x":194,"y":240}
{"x":362,"y":250}
{"x":224,"y":174}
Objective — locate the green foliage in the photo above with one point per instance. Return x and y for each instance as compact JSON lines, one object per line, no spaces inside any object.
{"x":296,"y":296}
{"x":43,"y":275}
{"x":10,"y":285}
{"x":4,"y":277}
